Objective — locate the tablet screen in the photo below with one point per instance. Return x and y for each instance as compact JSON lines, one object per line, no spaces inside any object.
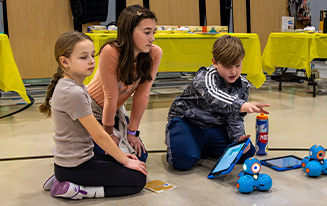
{"x":228,"y":158}
{"x":284,"y":162}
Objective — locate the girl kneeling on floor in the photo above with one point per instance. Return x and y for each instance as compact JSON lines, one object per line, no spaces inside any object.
{"x":79,"y":173}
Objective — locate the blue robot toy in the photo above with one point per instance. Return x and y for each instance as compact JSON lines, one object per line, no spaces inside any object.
{"x":249,"y":178}
{"x":315,"y":165}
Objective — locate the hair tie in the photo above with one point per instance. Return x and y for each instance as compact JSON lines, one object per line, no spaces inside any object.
{"x":138,"y":13}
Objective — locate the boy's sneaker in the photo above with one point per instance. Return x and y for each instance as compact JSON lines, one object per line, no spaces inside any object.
{"x":67,"y":190}
{"x":48,"y":184}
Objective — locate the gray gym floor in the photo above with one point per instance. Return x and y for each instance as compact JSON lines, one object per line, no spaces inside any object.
{"x":296,"y":122}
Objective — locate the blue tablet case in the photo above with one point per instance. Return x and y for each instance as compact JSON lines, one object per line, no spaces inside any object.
{"x":227,"y":161}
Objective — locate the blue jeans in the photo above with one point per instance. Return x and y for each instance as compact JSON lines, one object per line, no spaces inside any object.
{"x":97,"y":149}
{"x":186,"y":143}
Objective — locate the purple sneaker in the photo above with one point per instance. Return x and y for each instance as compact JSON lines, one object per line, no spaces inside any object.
{"x":67,"y":190}
{"x":48,"y":184}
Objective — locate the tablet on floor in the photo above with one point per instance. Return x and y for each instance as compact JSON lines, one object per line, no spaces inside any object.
{"x":283,"y":163}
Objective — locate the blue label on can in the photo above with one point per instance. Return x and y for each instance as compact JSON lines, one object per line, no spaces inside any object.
{"x":261,"y":137}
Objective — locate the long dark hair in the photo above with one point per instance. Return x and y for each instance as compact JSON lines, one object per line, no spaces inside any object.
{"x":129,"y":18}
{"x":64,"y":47}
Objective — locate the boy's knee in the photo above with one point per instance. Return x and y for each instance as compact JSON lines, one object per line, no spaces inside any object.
{"x":184,"y":163}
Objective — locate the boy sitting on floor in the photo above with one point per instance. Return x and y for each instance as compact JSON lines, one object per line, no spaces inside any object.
{"x":209,"y":114}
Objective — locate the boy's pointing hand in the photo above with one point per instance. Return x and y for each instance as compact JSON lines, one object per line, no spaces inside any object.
{"x":254,"y":107}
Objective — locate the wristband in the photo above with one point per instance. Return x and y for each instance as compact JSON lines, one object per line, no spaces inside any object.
{"x":136,"y":133}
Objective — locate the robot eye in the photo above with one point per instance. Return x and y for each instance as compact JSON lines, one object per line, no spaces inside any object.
{"x":255,"y":168}
{"x":321,"y":155}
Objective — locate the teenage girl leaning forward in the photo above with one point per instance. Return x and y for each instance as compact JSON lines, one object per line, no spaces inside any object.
{"x":127,"y":66}
{"x":79,"y":173}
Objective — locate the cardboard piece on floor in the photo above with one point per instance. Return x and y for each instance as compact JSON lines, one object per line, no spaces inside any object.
{"x":158,"y":186}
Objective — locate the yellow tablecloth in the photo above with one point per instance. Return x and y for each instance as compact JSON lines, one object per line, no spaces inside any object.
{"x":293,"y":50}
{"x":188,"y":52}
{"x":10,"y":79}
